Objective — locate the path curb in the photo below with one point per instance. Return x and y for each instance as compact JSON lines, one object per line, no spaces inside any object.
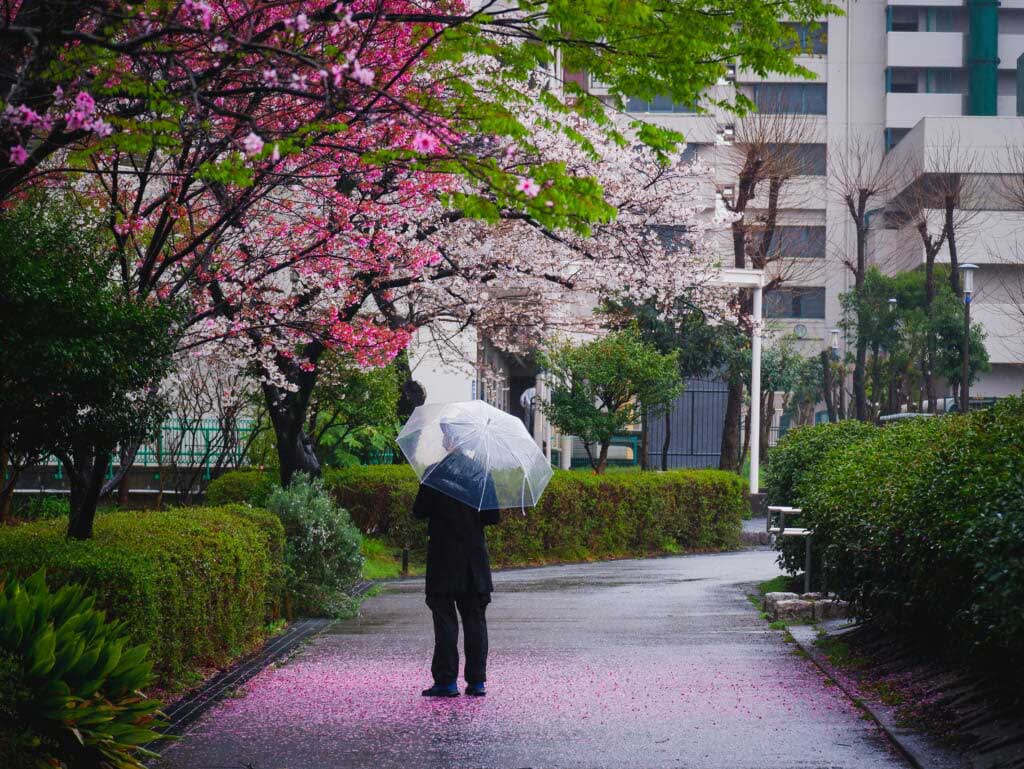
{"x":920,"y":751}
{"x":189,"y":709}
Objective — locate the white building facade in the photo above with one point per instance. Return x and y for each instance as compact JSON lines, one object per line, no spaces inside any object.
{"x":905,"y":80}
{"x":899,"y":79}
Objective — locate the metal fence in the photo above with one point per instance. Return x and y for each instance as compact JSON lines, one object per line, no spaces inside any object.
{"x":201,"y":444}
{"x":694,"y":426}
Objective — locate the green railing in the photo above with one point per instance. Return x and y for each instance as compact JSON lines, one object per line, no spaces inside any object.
{"x":196,"y":444}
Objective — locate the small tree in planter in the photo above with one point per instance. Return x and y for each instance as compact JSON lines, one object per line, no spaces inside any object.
{"x":601,"y":387}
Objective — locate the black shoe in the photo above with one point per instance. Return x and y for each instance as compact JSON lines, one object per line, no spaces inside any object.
{"x":476,"y":690}
{"x":451,"y":690}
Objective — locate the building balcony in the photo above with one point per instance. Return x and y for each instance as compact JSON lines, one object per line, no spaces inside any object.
{"x":905,"y":110}
{"x":925,"y":49}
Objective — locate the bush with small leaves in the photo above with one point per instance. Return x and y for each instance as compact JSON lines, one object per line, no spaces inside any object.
{"x":70,"y":694}
{"x":322,"y":549}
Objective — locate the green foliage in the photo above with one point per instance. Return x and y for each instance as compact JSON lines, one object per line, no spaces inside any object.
{"x":78,"y":353}
{"x":601,"y":387}
{"x":322,"y":552}
{"x":793,"y":467}
{"x":251,"y":487}
{"x":197,"y":585}
{"x":70,"y":693}
{"x":793,"y":463}
{"x":922,"y":527}
{"x":898,"y":338}
{"x":43,"y":507}
{"x":580,"y":516}
{"x":353,"y":411}
{"x":701,"y":347}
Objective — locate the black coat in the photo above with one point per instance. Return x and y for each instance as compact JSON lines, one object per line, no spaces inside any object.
{"x":457,"y":560}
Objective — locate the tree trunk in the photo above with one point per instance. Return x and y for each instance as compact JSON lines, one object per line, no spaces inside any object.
{"x":746,"y":442}
{"x":666,"y":444}
{"x":954,"y":260}
{"x":729,"y":458}
{"x":827,"y":385}
{"x":767,"y":415}
{"x":85,"y":468}
{"x":860,"y":398}
{"x":287,"y":409}
{"x":295,"y":451}
{"x":602,"y":458}
{"x":6,"y":499}
{"x":645,"y":440}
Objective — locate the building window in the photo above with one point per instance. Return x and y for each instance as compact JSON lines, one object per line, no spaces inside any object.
{"x":940,"y":80}
{"x":810,"y":38}
{"x":791,"y":98}
{"x":901,"y":19}
{"x":797,"y":242}
{"x":893,"y":136}
{"x":806,"y":159}
{"x":795,"y":303}
{"x":694,"y":151}
{"x":901,"y":80}
{"x":662,"y":104}
{"x":939,"y":20}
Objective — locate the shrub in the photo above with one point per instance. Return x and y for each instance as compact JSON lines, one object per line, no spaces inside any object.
{"x":922,"y":527}
{"x":70,"y":693}
{"x":801,"y":450}
{"x":322,"y":548}
{"x":44,"y":507}
{"x":580,"y":516}
{"x":252,"y":487}
{"x":196,"y":585}
{"x":793,"y":466}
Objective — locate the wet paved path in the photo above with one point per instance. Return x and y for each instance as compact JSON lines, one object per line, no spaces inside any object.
{"x":655,"y":663}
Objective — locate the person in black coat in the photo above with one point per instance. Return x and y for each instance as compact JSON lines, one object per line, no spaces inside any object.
{"x":458,"y":570}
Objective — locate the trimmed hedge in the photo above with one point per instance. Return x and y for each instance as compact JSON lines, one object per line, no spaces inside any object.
{"x":792,"y":468}
{"x":922,"y":527}
{"x":580,"y":516}
{"x":252,"y":487}
{"x":197,"y":585}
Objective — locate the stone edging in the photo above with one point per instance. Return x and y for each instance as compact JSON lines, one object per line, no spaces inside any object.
{"x":186,"y":711}
{"x":920,"y":751}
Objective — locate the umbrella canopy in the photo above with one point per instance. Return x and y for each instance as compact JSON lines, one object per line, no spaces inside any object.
{"x":476,"y":454}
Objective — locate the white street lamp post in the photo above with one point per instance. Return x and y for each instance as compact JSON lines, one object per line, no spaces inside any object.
{"x":967,"y":281}
{"x":739,"y":278}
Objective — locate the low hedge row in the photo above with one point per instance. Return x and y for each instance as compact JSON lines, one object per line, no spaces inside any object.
{"x":580,"y":516}
{"x":197,"y":585}
{"x":793,"y":467}
{"x":921,"y":525}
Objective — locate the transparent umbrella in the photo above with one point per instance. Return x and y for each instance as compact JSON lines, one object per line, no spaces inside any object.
{"x":476,"y":454}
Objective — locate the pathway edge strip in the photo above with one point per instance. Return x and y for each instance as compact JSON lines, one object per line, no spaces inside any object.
{"x":921,"y":756}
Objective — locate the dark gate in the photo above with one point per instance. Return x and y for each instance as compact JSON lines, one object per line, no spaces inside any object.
{"x":696,"y":419}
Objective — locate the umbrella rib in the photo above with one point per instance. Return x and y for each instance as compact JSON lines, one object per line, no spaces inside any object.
{"x":487,"y":474}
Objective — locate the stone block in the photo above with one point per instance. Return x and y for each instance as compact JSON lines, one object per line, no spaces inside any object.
{"x":794,"y":610}
{"x":811,"y":597}
{"x":770,"y":599}
{"x":829,"y":609}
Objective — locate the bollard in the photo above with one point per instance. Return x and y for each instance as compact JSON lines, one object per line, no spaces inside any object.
{"x":405,"y":561}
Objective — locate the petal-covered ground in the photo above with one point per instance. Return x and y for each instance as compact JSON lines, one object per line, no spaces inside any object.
{"x":656,"y":663}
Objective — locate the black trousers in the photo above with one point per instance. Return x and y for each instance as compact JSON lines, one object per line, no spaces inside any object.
{"x":472,"y":607}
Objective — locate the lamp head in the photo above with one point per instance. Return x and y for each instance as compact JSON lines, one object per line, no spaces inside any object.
{"x":967,"y":279}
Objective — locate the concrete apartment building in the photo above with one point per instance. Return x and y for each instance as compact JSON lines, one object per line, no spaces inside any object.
{"x":895,"y":79}
{"x":931,"y":87}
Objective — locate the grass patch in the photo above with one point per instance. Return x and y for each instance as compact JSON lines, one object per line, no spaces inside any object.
{"x":382,"y":561}
{"x":780,"y":584}
{"x":838,"y":652}
{"x":777,"y":625}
